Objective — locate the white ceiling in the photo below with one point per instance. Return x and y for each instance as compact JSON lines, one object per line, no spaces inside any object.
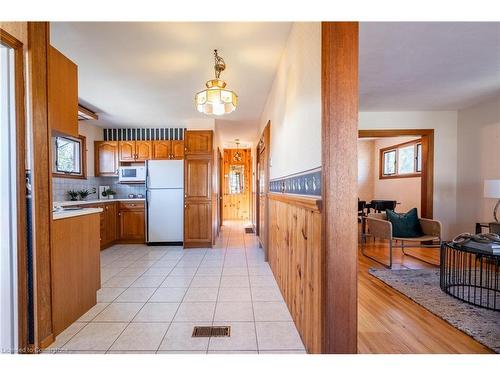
{"x":427,"y":66}
{"x":146,"y":74}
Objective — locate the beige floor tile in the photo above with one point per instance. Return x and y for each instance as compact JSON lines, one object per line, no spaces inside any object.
{"x":148,"y":282}
{"x":168,"y":295}
{"x":157,"y":312}
{"x":119,"y":312}
{"x":233,"y":352}
{"x":181,"y":352}
{"x":266,"y":294}
{"x":66,"y":335}
{"x":141,"y":336}
{"x":131,"y":352}
{"x":262,"y":281}
{"x":158,"y":271}
{"x":108,"y":294}
{"x":179,"y":337}
{"x":166,"y":263}
{"x":205,"y":282}
{"x":93,"y":312}
{"x":195,"y":312}
{"x":188,"y":263}
{"x":95,"y":336}
{"x":201,"y":295}
{"x":282,"y":352}
{"x":234,"y":281}
{"x":234,"y":312}
{"x":212,"y":263}
{"x":242,"y":337}
{"x":278,"y":336}
{"x":62,"y":351}
{"x":119,"y":282}
{"x":144,"y":263}
{"x":234,"y":295}
{"x":271,"y":312}
{"x":209,"y":271}
{"x":132,"y":271}
{"x":136,"y":295}
{"x":183,"y":271}
{"x":260,"y":271}
{"x":176,"y":281}
{"x":235,"y":271}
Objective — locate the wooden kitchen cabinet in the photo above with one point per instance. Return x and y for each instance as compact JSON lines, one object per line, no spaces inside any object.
{"x":168,"y":150}
{"x":110,"y":217}
{"x":198,"y":224}
{"x":62,"y":93}
{"x":106,"y":158}
{"x":131,"y":217}
{"x":198,"y":178}
{"x":130,"y":151}
{"x":198,"y":142}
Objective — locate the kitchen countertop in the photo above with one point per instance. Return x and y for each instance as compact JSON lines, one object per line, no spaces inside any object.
{"x":56,"y":215}
{"x":96,"y":201}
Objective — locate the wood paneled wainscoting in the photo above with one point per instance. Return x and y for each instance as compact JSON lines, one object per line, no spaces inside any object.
{"x":295,"y":257}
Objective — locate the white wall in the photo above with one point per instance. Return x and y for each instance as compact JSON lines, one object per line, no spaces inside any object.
{"x":478,"y":159}
{"x":406,"y":191}
{"x":366,"y":169}
{"x":444,"y":124}
{"x":294,"y":104}
{"x":92,"y":133}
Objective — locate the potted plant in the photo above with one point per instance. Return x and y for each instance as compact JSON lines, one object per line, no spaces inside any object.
{"x":84,"y":193}
{"x":110,"y":193}
{"x":73,"y":195}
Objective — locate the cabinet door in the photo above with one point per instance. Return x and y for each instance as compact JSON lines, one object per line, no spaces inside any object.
{"x":110,"y":214}
{"x":62,"y":93}
{"x":197,"y":224}
{"x":106,"y":158}
{"x":162,"y":150}
{"x":197,"y":178}
{"x":132,"y":225}
{"x":198,"y":142}
{"x":177,"y":150}
{"x":143,"y":150}
{"x":127,"y":150}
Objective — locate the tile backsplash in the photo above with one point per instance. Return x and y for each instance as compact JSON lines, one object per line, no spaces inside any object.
{"x":60,"y":186}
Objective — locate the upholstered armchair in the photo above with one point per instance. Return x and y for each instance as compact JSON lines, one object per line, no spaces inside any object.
{"x":378,"y":226}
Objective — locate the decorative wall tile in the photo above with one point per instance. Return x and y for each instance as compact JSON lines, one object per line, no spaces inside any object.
{"x":143,"y":134}
{"x":304,"y":183}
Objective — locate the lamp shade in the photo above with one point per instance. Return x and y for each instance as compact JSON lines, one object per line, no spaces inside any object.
{"x":492,"y":189}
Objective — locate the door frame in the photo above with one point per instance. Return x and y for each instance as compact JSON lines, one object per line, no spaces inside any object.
{"x":220,"y":177}
{"x":22,"y":265}
{"x":264,"y":139}
{"x":427,"y":176}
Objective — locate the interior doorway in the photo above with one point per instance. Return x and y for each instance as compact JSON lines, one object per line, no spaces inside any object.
{"x":236,"y":187}
{"x":423,"y":141}
{"x":262,"y":169}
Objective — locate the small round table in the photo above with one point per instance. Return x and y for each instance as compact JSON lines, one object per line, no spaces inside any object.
{"x":470,"y":275}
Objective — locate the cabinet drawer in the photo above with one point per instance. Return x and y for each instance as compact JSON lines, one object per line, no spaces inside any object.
{"x":131,"y":205}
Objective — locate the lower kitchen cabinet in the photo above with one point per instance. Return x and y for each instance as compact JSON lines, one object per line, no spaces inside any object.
{"x":131,"y":218}
{"x":198,"y":224}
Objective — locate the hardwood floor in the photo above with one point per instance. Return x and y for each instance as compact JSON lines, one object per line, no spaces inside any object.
{"x":389,"y":322}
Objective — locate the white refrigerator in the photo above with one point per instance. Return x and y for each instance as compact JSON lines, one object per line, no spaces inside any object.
{"x":165,"y":202}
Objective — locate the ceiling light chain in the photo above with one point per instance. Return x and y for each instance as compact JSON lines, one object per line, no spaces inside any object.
{"x":216,"y":99}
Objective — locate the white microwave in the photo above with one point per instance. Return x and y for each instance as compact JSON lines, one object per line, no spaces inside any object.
{"x":132,"y":174}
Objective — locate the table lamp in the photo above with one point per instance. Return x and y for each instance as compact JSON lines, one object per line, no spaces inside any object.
{"x":492,"y":190}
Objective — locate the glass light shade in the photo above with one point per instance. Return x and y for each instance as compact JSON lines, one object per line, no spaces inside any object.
{"x":215,"y":99}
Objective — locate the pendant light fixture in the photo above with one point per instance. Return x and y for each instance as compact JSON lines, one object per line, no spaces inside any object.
{"x":216,"y":99}
{"x":237,"y":154}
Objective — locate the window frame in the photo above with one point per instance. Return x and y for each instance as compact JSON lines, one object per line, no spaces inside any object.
{"x":396,"y":148}
{"x":83,"y":158}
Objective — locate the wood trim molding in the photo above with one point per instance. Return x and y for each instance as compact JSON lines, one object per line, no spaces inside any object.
{"x":339,"y":97}
{"x":83,"y":156}
{"x":309,"y":203}
{"x":38,"y":43}
{"x":22,"y":265}
{"x":86,"y":114}
{"x":427,"y":181}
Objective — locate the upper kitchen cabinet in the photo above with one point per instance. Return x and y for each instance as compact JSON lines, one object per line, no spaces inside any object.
{"x":165,"y":150}
{"x":199,"y":142}
{"x":62,"y":93}
{"x":131,"y":151}
{"x":106,"y":158}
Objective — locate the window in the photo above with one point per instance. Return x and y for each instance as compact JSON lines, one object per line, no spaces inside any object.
{"x":403,"y":160}
{"x":69,"y":156}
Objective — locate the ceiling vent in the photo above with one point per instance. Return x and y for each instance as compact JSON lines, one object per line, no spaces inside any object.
{"x":86,"y":114}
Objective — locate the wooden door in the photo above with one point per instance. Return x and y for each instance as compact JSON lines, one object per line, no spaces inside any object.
{"x":236,"y":186}
{"x":106,"y":158}
{"x":62,"y":93}
{"x":197,"y":224}
{"x":143,"y":150}
{"x":131,"y":225}
{"x":162,"y":150}
{"x":177,"y":150}
{"x":198,"y":142}
{"x":197,"y":179}
{"x":126,"y":150}
{"x":262,"y":216}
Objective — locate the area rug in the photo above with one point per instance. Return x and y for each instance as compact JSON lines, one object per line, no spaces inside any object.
{"x":422,"y":286}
